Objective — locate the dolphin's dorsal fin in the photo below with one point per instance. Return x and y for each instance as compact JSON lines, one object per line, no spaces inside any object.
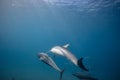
{"x":65,"y":46}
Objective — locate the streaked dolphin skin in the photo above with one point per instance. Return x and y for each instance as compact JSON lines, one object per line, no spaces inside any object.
{"x":48,"y":60}
{"x":63,"y":51}
{"x":82,"y":76}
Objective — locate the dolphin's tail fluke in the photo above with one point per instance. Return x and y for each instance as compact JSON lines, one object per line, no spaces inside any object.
{"x":80,"y":64}
{"x":61,"y":74}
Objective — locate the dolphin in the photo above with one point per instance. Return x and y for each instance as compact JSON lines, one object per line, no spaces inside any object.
{"x":63,"y":51}
{"x":84,"y":76}
{"x":48,"y":60}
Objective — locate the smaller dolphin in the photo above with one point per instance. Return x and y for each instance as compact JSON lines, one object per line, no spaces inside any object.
{"x":63,"y":51}
{"x":84,"y":76}
{"x":48,"y":60}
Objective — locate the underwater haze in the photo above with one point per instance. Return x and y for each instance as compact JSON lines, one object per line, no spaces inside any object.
{"x":28,"y":27}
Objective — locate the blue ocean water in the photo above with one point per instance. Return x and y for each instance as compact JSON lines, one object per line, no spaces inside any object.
{"x":28,"y":27}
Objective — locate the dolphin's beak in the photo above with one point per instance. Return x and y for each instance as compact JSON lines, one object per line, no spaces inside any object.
{"x":38,"y":55}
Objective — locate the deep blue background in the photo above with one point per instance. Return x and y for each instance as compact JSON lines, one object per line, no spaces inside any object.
{"x":27,"y":30}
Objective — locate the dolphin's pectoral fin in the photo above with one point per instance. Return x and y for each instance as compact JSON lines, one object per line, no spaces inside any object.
{"x":80,"y":64}
{"x":66,"y":46}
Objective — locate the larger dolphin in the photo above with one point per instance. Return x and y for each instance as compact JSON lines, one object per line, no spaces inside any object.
{"x":48,"y":60}
{"x":62,"y":50}
{"x":84,"y":76}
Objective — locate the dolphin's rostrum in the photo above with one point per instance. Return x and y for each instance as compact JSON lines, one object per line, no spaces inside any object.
{"x":48,"y":60}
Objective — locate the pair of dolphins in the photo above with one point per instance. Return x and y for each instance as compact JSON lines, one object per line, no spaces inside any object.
{"x":62,"y":51}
